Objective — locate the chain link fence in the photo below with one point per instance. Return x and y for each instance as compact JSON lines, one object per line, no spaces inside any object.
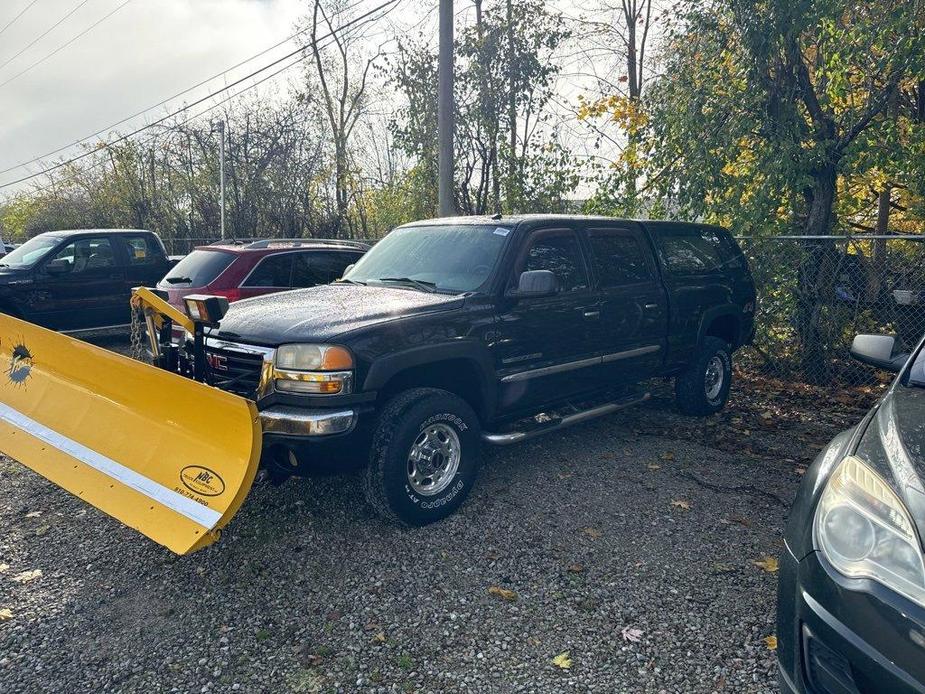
{"x":817,"y":293}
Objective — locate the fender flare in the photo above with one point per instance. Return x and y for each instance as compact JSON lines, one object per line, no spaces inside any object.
{"x":384,"y":369}
{"x":721,"y":311}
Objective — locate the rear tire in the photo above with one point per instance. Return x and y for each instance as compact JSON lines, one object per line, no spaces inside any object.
{"x":425,"y":457}
{"x":703,"y":389}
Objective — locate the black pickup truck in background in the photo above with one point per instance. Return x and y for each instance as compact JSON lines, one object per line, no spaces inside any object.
{"x":453,"y":332}
{"x":81,"y":279}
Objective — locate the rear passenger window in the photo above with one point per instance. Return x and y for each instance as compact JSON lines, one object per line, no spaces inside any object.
{"x":273,"y":271}
{"x":618,"y":258}
{"x":318,"y":267}
{"x":560,"y":254}
{"x":140,"y":251}
{"x":691,"y":250}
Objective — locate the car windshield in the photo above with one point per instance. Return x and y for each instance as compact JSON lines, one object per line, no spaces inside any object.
{"x":451,"y":258}
{"x":31,"y":252}
{"x":198,"y":269}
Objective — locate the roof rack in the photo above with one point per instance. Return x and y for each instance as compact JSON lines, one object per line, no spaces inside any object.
{"x":267,"y":243}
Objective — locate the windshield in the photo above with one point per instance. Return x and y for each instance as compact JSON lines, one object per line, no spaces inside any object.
{"x":451,"y":258}
{"x":31,"y":252}
{"x":198,"y":269}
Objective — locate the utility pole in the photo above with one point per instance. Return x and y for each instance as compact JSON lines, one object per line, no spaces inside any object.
{"x":221,"y":168}
{"x":511,"y":110}
{"x":445,"y":112}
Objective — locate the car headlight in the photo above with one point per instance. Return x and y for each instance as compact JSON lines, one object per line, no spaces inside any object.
{"x":313,"y":369}
{"x":863,"y":528}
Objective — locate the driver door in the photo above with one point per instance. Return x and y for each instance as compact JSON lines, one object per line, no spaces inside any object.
{"x":84,"y":286}
{"x":549,"y":347}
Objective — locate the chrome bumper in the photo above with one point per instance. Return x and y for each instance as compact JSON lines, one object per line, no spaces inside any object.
{"x":295,"y":421}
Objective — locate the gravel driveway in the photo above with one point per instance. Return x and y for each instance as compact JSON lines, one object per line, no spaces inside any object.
{"x":626,"y":543}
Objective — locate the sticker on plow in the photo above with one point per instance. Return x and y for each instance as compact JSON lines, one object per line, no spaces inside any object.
{"x":202,"y":480}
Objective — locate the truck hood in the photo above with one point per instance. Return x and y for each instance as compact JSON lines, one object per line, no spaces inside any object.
{"x":324,"y":312}
{"x":894,"y":445}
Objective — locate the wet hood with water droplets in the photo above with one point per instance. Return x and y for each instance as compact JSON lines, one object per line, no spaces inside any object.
{"x":322,"y":313}
{"x":894,"y":445}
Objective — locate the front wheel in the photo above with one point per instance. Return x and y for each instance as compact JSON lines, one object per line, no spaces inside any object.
{"x":703,"y":388}
{"x":425,"y":456}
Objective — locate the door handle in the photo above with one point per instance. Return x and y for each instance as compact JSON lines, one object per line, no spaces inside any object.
{"x":649,"y":307}
{"x":592,"y":315}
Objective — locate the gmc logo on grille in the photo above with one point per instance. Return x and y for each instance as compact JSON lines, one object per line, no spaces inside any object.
{"x":217,"y":362}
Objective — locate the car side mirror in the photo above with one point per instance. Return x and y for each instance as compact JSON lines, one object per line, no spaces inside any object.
{"x":878,"y":351}
{"x":536,"y":283}
{"x":61,"y":266}
{"x":348,"y":269}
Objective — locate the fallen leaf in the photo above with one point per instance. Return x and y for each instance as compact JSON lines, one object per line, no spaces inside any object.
{"x":668,"y":455}
{"x":593,"y":533}
{"x":5,"y":614}
{"x":380,"y":637}
{"x":33,"y":514}
{"x":682,"y":504}
{"x":503,"y":593}
{"x":768,"y":564}
{"x":771,"y":642}
{"x":653,"y":466}
{"x":741,"y":520}
{"x":562,"y":661}
{"x":631,"y":634}
{"x":565,"y":475}
{"x":4,"y":567}
{"x":41,"y":530}
{"x":27,"y":576}
{"x":575,"y":568}
{"x":312,"y":660}
{"x":800,"y":470}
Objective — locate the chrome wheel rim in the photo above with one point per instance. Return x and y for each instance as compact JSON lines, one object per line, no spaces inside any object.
{"x":713,"y":381}
{"x":434,"y":459}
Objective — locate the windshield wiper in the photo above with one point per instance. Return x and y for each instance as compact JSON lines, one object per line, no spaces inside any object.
{"x":178,"y":280}
{"x":343,"y":280}
{"x":420,"y":284}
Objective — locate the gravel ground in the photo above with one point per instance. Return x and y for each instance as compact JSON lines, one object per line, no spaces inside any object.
{"x":308,"y":592}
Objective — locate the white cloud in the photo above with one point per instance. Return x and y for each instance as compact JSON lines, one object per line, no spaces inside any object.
{"x":146,"y":52}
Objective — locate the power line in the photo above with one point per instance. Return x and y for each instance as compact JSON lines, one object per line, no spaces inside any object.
{"x":43,"y":35}
{"x":65,"y":45}
{"x":110,"y":127}
{"x":21,"y":13}
{"x":123,"y":138}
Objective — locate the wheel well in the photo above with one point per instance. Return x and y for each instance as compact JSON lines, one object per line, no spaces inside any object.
{"x":459,"y":376}
{"x":725,"y":328}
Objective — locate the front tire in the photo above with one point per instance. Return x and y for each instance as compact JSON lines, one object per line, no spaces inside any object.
{"x":703,"y":389}
{"x":425,"y":457}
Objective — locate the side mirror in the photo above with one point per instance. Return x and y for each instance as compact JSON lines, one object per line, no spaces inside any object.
{"x":348,"y":269}
{"x":536,"y":283}
{"x":61,"y":266}
{"x":878,"y":351}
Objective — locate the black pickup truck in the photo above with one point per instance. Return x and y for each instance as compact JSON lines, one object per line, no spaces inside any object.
{"x":453,"y":332}
{"x":80,"y":279}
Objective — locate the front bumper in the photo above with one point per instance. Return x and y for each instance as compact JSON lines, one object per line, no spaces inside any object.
{"x":845,"y":636}
{"x":299,"y":422}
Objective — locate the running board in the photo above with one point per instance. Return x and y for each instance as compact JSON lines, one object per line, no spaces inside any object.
{"x":576,"y":418}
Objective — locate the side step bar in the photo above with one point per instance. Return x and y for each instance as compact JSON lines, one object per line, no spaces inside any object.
{"x":576,"y":418}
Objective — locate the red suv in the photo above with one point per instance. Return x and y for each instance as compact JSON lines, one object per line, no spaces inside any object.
{"x":242,"y":269}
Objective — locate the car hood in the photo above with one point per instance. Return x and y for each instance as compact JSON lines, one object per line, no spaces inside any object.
{"x":8,"y":274}
{"x":324,"y":312}
{"x":894,"y":445}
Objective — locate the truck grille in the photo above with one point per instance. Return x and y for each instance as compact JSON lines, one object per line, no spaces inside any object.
{"x":236,"y":368}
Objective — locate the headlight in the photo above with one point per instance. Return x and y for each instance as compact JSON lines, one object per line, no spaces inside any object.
{"x":314,"y":369}
{"x":863,"y":528}
{"x":313,"y":358}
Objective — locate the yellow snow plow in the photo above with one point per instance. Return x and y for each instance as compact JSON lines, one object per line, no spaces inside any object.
{"x":161,"y":453}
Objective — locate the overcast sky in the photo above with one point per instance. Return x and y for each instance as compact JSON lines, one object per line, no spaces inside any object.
{"x":145,"y":52}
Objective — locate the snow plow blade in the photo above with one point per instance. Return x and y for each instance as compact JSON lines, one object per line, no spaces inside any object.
{"x":165,"y":455}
